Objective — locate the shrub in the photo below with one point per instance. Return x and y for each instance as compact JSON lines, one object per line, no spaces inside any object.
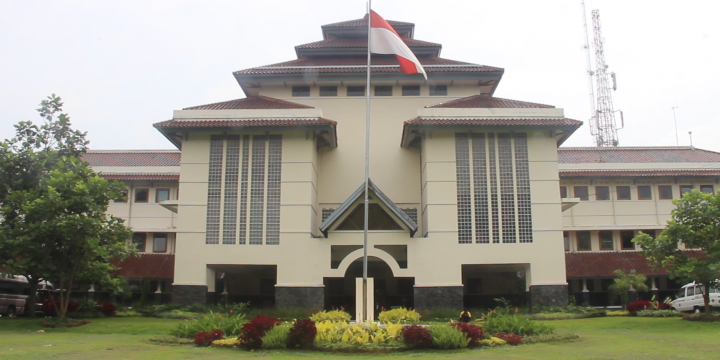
{"x":633,"y":308}
{"x":252,"y":332}
{"x":399,"y":315}
{"x":416,"y":336}
{"x":512,"y":339}
{"x":177,"y":314}
{"x":441,"y":314}
{"x":230,"y":342}
{"x":658,"y":313}
{"x":364,"y":333}
{"x":513,"y":324}
{"x":106,"y":308}
{"x":232,"y":308}
{"x":617,"y":313}
{"x":205,"y":338}
{"x":562,"y":337}
{"x":492,"y":341}
{"x":206,"y":323}
{"x":276,"y":338}
{"x":174,"y":340}
{"x":473,"y":332}
{"x":283,"y":314}
{"x":332,"y":315}
{"x":302,"y":335}
{"x":446,"y":337}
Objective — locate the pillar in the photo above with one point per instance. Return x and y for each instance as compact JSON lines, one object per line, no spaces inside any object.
{"x":585,"y":293}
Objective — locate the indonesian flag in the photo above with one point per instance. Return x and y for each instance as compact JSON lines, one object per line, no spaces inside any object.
{"x":385,"y":40}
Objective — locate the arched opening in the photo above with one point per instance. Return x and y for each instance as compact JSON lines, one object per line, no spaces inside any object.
{"x":390,"y":291}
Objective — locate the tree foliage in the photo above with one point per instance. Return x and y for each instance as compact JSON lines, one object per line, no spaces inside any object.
{"x":52,"y":207}
{"x":624,"y":283}
{"x":695,"y":221}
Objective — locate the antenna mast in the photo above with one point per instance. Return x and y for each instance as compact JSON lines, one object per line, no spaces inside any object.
{"x":602,"y":120}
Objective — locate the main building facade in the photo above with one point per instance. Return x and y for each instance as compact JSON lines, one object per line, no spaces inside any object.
{"x":262,"y":201}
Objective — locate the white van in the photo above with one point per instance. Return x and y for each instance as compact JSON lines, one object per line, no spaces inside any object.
{"x":690,"y":298}
{"x":13,"y":294}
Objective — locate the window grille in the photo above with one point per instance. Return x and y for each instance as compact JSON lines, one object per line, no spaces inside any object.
{"x":242,"y":225}
{"x":212,"y":230}
{"x":493,"y":195}
{"x":232,"y":164}
{"x":257,"y":190}
{"x":411,"y":90}
{"x":326,"y":213}
{"x":482,"y":225}
{"x":522,"y":176}
{"x":411,"y":213}
{"x":462,"y":167}
{"x":328,"y":91}
{"x":355,"y":91}
{"x":272,"y":215}
{"x":383,"y":90}
{"x":438,"y":90}
{"x":300,"y":91}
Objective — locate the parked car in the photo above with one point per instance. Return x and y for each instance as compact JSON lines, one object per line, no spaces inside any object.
{"x":45,"y":302}
{"x":12,"y":294}
{"x":690,"y":298}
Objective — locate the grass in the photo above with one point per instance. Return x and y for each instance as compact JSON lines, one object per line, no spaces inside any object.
{"x":600,"y":338}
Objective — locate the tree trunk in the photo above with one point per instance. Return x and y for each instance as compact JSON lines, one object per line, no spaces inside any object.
{"x":706,"y":298}
{"x":32,"y":297}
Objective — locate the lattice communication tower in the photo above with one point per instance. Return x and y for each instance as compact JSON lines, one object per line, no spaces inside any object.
{"x":602,"y":123}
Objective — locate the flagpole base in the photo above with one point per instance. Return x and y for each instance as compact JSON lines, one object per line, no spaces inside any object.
{"x":359,"y":300}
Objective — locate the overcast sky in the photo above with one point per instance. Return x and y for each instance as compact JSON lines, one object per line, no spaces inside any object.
{"x":121,"y":66}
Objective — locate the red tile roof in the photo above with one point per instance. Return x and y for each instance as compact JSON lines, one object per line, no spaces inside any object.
{"x":636,"y":173}
{"x":359,"y":42}
{"x":486,"y":101}
{"x":363,"y":22}
{"x":132,"y":158}
{"x":635,"y":155}
{"x":141,"y":177}
{"x":496,"y":121}
{"x":593,"y":264}
{"x":254,"y":102}
{"x":355,"y":64}
{"x":151,"y":266}
{"x":244,"y":123}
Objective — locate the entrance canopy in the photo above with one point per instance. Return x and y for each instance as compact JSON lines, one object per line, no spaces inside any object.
{"x":383,"y":213}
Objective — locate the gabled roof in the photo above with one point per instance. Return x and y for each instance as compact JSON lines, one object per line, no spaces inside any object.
{"x":140,"y":176}
{"x":132,"y":158}
{"x":638,"y":173}
{"x":345,"y":206}
{"x":487,"y":101}
{"x":359,"y":26}
{"x":679,"y":154}
{"x":253,"y":102}
{"x":358,"y":46}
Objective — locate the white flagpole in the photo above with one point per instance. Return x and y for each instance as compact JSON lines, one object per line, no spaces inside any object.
{"x":367,"y":172}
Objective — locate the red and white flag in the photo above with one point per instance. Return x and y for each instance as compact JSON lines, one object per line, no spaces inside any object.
{"x":385,"y":40}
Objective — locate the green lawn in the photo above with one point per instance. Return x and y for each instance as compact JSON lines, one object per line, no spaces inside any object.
{"x":601,"y":338}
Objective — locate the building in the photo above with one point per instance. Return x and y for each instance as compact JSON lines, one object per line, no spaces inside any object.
{"x":262,"y":201}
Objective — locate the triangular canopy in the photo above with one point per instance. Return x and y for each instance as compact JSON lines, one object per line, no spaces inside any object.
{"x":347,"y":206}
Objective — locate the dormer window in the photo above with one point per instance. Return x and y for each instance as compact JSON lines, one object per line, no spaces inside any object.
{"x":300,"y":91}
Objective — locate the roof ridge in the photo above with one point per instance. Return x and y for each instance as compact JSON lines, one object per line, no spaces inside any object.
{"x":250,"y":98}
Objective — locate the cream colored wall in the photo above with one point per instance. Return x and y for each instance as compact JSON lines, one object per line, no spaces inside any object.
{"x":624,"y":214}
{"x":149,"y":216}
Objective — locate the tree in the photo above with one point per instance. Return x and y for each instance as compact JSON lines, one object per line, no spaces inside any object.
{"x":24,"y":160}
{"x":67,"y":215}
{"x":624,"y":283}
{"x":695,"y":221}
{"x":30,"y":167}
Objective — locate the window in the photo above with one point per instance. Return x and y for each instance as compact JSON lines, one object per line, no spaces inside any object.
{"x":602,"y":193}
{"x":300,"y":91}
{"x":566,"y":240}
{"x":626,"y":237}
{"x":138,"y":241}
{"x":355,"y":91}
{"x":141,"y":195}
{"x":160,"y":242}
{"x":123,"y":198}
{"x":581,"y":192}
{"x":328,"y":91}
{"x":665,"y":192}
{"x":383,"y":90}
{"x":606,"y":240}
{"x":563,"y":192}
{"x":685,"y":189}
{"x":623,"y":192}
{"x":438,"y":90}
{"x":583,"y":241}
{"x":690,"y":290}
{"x":644,"y":192}
{"x":708,"y":189}
{"x":162,"y":195}
{"x":411,"y":90}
